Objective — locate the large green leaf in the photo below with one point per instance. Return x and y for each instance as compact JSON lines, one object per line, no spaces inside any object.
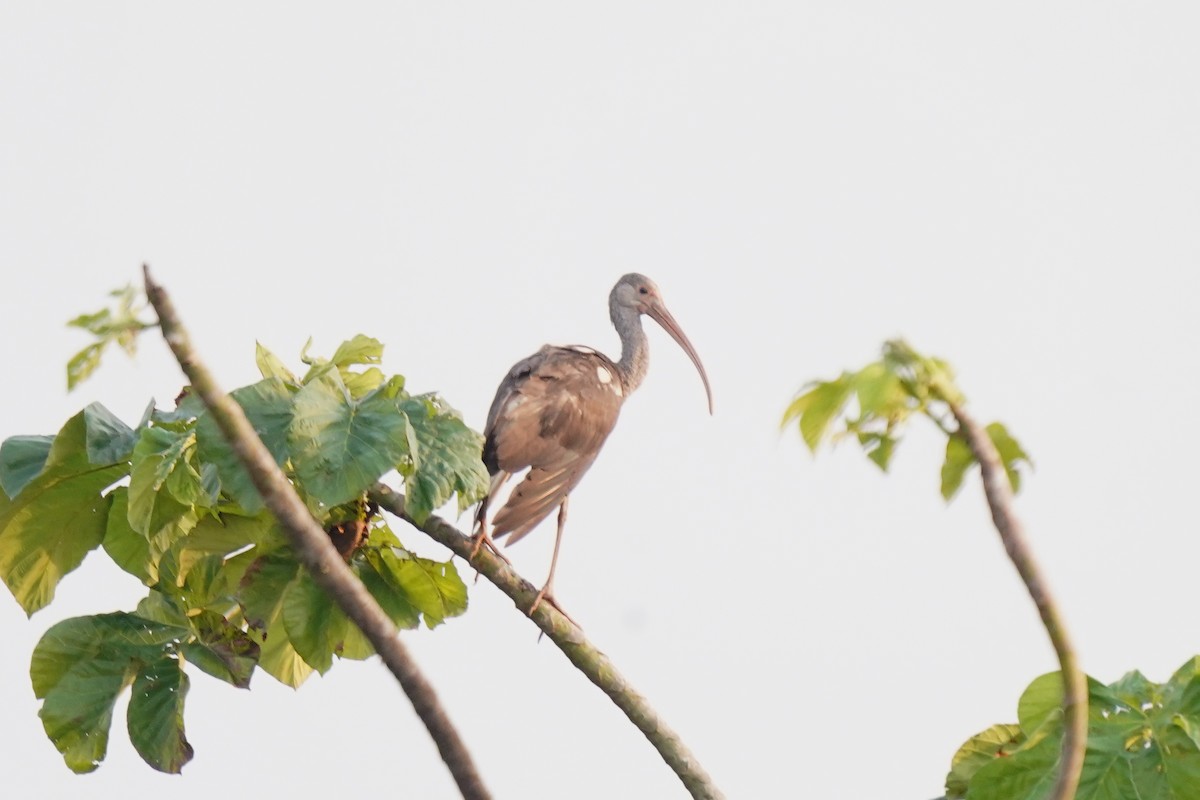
{"x":155,"y":714}
{"x":56,"y":519}
{"x":268,"y":406}
{"x":391,"y":598}
{"x":109,"y":440}
{"x":21,"y":459}
{"x":341,"y":446}
{"x":316,"y":626}
{"x":449,"y":459}
{"x":79,"y":668}
{"x":262,"y":590}
{"x":128,"y":549}
{"x":432,"y":587}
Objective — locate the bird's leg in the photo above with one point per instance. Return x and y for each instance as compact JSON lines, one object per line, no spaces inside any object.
{"x":482,"y":537}
{"x":546,"y":593}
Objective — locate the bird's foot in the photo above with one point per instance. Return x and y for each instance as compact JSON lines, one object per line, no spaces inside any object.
{"x":544,"y":596}
{"x":481,"y":539}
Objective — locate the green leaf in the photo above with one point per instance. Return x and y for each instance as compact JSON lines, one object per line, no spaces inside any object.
{"x":223,"y":649}
{"x":56,"y":519}
{"x":109,"y":440}
{"x":261,"y":596}
{"x":270,"y":365}
{"x":128,"y":549}
{"x":432,"y":587}
{"x":997,"y":741}
{"x":449,"y":460}
{"x":315,"y":625}
{"x":360,"y":384}
{"x":341,"y":446}
{"x":223,"y":535}
{"x":96,"y":323}
{"x":879,"y":447}
{"x":158,"y":453}
{"x":959,"y":459}
{"x":391,"y":598}
{"x":1182,"y":677}
{"x":359,"y":350}
{"x":79,"y":668}
{"x":78,"y":715}
{"x":268,"y":407}
{"x":83,"y":364}
{"x":1011,"y":453}
{"x":155,"y":715}
{"x":879,"y":392}
{"x":21,"y":459}
{"x":161,"y":607}
{"x":818,"y":407}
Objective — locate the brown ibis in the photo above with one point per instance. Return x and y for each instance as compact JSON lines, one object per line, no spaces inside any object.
{"x":553,"y":412}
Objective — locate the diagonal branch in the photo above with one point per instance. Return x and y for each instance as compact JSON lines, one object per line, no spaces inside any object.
{"x":570,"y":639}
{"x":1075,"y":694}
{"x":315,"y":550}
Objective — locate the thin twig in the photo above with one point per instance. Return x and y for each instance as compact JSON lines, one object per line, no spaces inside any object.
{"x":570,"y":639}
{"x":1075,"y":698}
{"x":315,"y":550}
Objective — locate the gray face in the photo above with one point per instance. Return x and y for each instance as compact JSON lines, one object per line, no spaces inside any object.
{"x":640,"y":294}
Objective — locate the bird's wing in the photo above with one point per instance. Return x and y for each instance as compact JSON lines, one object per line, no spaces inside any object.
{"x":551,"y":415}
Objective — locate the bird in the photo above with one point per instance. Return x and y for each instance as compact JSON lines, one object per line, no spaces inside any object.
{"x":553,"y":412}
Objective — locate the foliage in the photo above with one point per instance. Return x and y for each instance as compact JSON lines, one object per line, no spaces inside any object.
{"x":119,"y":325}
{"x":886,"y":394}
{"x":170,"y":504}
{"x":1143,"y":741}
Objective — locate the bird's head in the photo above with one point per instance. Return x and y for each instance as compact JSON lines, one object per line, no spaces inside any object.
{"x":639,"y":294}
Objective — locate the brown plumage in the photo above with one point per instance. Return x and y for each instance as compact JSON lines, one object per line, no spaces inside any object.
{"x":553,"y":412}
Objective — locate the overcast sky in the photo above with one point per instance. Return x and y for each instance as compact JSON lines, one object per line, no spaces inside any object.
{"x":1014,"y":188}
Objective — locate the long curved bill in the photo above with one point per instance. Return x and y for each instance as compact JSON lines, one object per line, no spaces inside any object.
{"x":658,"y":312}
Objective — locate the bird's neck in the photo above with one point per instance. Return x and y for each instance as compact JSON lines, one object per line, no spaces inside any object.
{"x":635,"y":353}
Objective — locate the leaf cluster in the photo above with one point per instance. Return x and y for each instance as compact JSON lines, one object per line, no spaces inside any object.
{"x":120,"y":325}
{"x":1143,"y":741}
{"x":874,"y":404}
{"x":169,"y":502}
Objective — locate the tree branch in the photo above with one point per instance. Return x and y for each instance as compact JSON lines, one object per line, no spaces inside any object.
{"x":1075,"y":696}
{"x":314,"y":549}
{"x":574,"y":645}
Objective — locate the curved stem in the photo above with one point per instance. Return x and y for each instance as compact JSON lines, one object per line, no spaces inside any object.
{"x":1075,"y":698}
{"x":315,"y":550}
{"x":570,"y":639}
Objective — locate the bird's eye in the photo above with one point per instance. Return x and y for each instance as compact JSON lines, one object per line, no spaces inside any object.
{"x":643,"y":290}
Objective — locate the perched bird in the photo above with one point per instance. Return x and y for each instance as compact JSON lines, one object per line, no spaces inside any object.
{"x":553,"y":412}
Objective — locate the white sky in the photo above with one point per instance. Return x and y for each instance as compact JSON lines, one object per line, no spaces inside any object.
{"x":1015,"y":189}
